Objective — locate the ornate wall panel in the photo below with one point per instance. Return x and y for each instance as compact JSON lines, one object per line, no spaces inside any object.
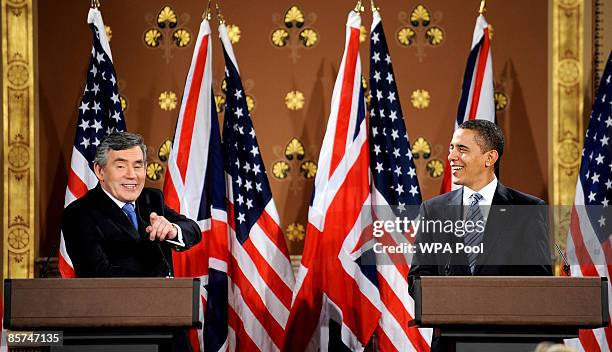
{"x":19,"y":173}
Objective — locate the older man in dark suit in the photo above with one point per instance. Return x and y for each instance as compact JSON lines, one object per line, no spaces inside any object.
{"x":513,"y":236}
{"x":119,"y":228}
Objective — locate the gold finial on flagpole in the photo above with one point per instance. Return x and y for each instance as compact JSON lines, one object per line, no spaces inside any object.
{"x":374,"y":7}
{"x":95,"y":4}
{"x":483,"y":7}
{"x":207,"y":15}
{"x":219,"y":14}
{"x":359,"y":7}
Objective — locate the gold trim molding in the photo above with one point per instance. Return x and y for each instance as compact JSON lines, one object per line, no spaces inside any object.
{"x":567,"y":105}
{"x":18,"y":163}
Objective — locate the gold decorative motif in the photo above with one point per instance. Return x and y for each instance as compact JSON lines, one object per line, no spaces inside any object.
{"x":182,"y":38}
{"x":406,"y":36}
{"x":18,"y":156}
{"x":435,"y":168}
{"x":279,"y":37}
{"x":420,"y":99}
{"x":292,"y":32}
{"x":219,"y":103}
{"x":294,"y":148}
{"x":309,"y":37}
{"x":250,"y":101}
{"x":152,"y":38}
{"x":224,"y":86}
{"x":18,"y":238}
{"x":294,"y":16}
{"x":420,"y":15}
{"x":420,"y":29}
{"x":154,"y":171}
{"x":421,"y":147}
{"x":294,"y":100}
{"x":19,"y":143}
{"x":501,"y":101}
{"x":295,"y":232}
{"x":124,"y":103}
{"x":363,"y":34}
{"x":569,"y":153}
{"x":309,"y":169}
{"x":109,"y":32}
{"x":364,"y":83}
{"x":167,"y":31}
{"x":569,"y":72}
{"x":233,"y":32}
{"x":18,"y":74}
{"x":167,"y":100}
{"x":280,"y":169}
{"x":166,"y":17}
{"x":435,"y":35}
{"x":164,"y":150}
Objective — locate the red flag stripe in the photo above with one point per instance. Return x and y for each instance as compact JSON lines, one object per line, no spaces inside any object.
{"x":191,"y":107}
{"x":480,"y":68}
{"x":346,"y":100}
{"x":170,"y":196}
{"x":77,"y":187}
{"x":584,"y":258}
{"x":243,"y":340}
{"x":273,"y":231}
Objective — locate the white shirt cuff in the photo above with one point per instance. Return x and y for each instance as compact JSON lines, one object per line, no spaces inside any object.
{"x":178,"y":240}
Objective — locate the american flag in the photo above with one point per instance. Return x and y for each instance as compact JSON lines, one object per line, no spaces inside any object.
{"x":100,"y":113}
{"x":259,"y":271}
{"x":477,"y":98}
{"x":336,"y":300}
{"x":194,"y":185}
{"x":589,"y":246}
{"x":395,"y":185}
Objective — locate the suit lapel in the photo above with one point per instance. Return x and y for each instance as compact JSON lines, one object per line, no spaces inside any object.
{"x":495,"y":222}
{"x":114,"y":213}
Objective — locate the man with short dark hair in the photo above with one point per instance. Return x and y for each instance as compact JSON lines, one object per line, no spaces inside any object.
{"x":513,"y":237}
{"x":119,"y":228}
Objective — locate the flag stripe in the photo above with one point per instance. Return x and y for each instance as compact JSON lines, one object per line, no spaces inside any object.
{"x":480,"y":73}
{"x":75,"y":186}
{"x":346,"y":100}
{"x":191,"y":106}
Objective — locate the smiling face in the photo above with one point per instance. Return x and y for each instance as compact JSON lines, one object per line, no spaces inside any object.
{"x":123,"y":176}
{"x":471,"y":166}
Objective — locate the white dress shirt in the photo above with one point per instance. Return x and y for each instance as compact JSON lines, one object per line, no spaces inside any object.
{"x":487,"y":193}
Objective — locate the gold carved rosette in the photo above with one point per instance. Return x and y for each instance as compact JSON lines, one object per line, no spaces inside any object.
{"x":567,"y":100}
{"x":18,"y":139}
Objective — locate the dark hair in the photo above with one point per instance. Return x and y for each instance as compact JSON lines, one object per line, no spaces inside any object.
{"x":489,"y":136}
{"x":118,"y":141}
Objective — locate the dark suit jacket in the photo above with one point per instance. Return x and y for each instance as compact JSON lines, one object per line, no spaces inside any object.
{"x":102,"y":242}
{"x":516,"y":240}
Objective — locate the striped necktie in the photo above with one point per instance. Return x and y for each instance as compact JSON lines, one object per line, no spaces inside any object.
{"x":474,"y":237}
{"x":129,"y":210}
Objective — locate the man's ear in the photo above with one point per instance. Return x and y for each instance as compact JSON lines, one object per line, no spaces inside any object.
{"x":492,"y":156}
{"x":99,"y":171}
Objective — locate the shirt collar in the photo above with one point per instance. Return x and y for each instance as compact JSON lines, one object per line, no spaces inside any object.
{"x":119,"y":203}
{"x":487,"y":193}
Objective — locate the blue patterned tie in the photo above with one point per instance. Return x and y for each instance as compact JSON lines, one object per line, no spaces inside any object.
{"x":128,"y":209}
{"x":473,"y":238}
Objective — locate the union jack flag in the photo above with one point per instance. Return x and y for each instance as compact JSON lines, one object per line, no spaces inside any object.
{"x":100,"y":113}
{"x":477,"y":98}
{"x":336,"y":300}
{"x":259,"y":271}
{"x":589,"y":246}
{"x":394,"y":185}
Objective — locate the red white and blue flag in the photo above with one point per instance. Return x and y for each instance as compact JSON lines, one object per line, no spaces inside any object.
{"x":477,"y":96}
{"x":336,"y":304}
{"x":100,"y":113}
{"x":194,"y":185}
{"x":259,"y":274}
{"x":589,"y":245}
{"x":395,"y":192}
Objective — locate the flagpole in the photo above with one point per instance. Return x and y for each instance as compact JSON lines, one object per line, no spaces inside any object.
{"x":219,"y":14}
{"x":207,"y":13}
{"x":95,"y":4}
{"x":373,"y":6}
{"x":483,"y":7}
{"x":359,"y":7}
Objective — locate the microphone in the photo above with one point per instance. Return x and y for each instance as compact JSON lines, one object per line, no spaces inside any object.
{"x":45,"y":267}
{"x":566,"y":266}
{"x":159,"y":208}
{"x":447,"y":267}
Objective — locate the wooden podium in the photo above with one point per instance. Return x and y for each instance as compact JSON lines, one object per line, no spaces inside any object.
{"x":494,"y":313}
{"x":115,"y":314}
